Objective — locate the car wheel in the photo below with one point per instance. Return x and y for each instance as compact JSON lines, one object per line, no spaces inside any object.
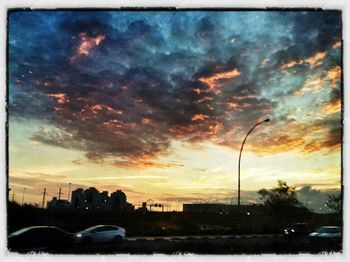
{"x":117,"y":240}
{"x":86,"y":240}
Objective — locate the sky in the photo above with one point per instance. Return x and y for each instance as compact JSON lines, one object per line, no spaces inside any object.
{"x":157,"y":104}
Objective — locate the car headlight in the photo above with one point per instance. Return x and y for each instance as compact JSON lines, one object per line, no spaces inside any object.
{"x":79,"y":235}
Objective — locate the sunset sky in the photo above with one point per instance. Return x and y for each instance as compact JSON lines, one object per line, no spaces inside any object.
{"x":157,"y":103}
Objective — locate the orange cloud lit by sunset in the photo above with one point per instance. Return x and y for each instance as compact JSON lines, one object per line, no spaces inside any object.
{"x":87,"y":43}
{"x":211,"y":81}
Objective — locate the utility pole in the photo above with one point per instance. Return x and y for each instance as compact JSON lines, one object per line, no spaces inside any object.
{"x":59,"y":194}
{"x":69,"y":191}
{"x":44,"y":193}
{"x":24,"y":190}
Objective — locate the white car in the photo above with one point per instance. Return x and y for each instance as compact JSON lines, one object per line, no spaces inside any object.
{"x":327,"y":232}
{"x":100,"y":233}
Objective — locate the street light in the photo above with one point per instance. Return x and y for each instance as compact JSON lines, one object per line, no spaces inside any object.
{"x":239,"y":167}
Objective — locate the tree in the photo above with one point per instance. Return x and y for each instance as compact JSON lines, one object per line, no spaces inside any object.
{"x":334,"y":203}
{"x":281,"y":201}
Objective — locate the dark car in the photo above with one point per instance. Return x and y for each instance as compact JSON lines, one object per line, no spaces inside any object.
{"x":327,"y":232}
{"x":39,"y":238}
{"x":327,"y":238}
{"x":297,"y":230}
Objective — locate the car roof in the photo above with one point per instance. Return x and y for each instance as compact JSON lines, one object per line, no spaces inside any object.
{"x":22,"y":230}
{"x":98,"y":226}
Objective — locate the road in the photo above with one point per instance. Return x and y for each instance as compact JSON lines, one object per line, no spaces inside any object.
{"x":196,"y":237}
{"x":218,"y":244}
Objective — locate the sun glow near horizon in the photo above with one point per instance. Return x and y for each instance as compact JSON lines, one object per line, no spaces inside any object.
{"x":198,"y":173}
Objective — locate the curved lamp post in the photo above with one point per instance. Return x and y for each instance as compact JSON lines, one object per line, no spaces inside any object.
{"x":239,"y":167}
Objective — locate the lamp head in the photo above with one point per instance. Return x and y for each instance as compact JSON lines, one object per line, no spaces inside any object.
{"x":267,"y":120}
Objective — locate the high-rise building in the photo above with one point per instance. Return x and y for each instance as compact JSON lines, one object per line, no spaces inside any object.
{"x":77,"y":198}
{"x":92,"y":199}
{"x":103,"y":201}
{"x":118,"y":200}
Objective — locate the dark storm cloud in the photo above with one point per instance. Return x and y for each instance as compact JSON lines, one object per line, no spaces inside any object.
{"x":315,"y":199}
{"x":120,"y":86}
{"x":310,"y":32}
{"x":307,"y":190}
{"x":332,"y":139}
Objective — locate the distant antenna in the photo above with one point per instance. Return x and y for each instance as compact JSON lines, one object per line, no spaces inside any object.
{"x":44,"y":193}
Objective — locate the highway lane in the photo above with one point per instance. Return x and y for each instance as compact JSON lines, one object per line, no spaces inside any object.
{"x":206,"y":244}
{"x":196,"y":237}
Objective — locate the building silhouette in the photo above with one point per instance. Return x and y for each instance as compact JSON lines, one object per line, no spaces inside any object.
{"x":77,"y":198}
{"x":118,"y":200}
{"x":58,"y":204}
{"x":92,"y":199}
{"x":143,"y":209}
{"x":103,"y":201}
{"x":222,"y":208}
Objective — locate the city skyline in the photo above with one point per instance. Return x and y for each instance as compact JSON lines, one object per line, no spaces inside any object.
{"x":157,"y":103}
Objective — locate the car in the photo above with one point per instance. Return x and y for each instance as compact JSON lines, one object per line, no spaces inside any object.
{"x":327,"y":238}
{"x":327,"y":232}
{"x":39,"y":238}
{"x":297,"y":230}
{"x":100,"y":234}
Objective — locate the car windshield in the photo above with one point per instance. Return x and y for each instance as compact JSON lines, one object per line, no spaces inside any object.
{"x":329,"y":230}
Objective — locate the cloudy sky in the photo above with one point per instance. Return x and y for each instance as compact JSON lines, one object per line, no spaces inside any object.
{"x":157,"y":103}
